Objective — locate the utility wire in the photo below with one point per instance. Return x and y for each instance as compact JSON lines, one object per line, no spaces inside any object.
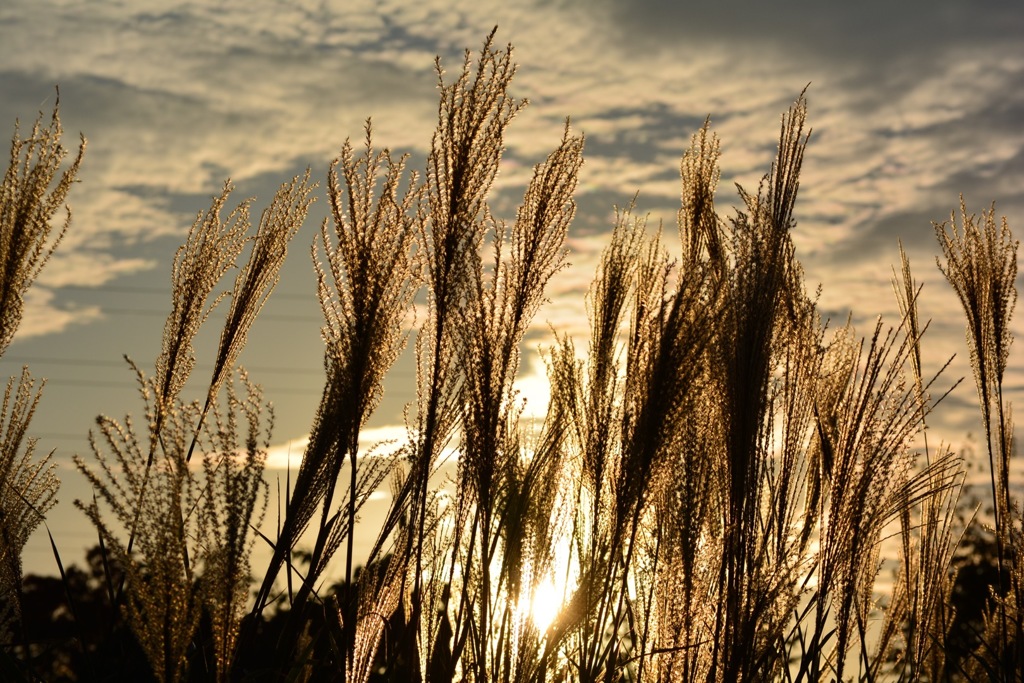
{"x":124,"y":289}
{"x":98,"y":363}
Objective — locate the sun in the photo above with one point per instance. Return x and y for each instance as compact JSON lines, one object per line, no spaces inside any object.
{"x":545,"y":597}
{"x":545,"y":604}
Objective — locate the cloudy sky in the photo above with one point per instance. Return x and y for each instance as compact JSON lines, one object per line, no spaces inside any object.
{"x":911,"y":103}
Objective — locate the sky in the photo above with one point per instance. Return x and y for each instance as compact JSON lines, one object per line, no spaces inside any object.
{"x":911,"y":104}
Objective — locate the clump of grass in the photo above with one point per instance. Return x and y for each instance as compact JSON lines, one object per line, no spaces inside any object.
{"x":365,"y":282}
{"x":29,"y":489}
{"x":233,"y":505}
{"x":495,"y":479}
{"x":466,"y":149}
{"x":189,"y":529}
{"x":705,"y":499}
{"x":385,"y":244}
{"x":981,"y":265}
{"x":146,"y":495}
{"x":32,"y":193}
{"x":919,"y":614}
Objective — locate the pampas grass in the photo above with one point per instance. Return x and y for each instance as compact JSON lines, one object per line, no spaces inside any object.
{"x":189,"y":529}
{"x":32,"y":193}
{"x":981,"y":265}
{"x":705,"y":499}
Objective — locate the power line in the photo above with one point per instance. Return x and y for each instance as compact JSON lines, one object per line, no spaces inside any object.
{"x":95,"y":362}
{"x":142,"y":289}
{"x":269,"y":391}
{"x":276,"y":317}
{"x":99,"y":363}
{"x":158,"y":291}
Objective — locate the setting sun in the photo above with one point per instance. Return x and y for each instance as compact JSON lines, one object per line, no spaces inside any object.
{"x":545,"y":604}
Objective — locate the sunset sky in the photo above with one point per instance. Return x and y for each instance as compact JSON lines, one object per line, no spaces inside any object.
{"x":911,"y":103}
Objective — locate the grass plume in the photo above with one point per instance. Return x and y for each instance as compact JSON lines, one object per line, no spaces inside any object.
{"x":32,"y":193}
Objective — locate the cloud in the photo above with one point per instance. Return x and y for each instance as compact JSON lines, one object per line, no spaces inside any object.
{"x":175,"y":101}
{"x":910,"y":103}
{"x":873,"y":30}
{"x":43,"y":317}
{"x":372,"y":441}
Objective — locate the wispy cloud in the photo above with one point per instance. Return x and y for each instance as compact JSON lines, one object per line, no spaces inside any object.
{"x":910,"y":102}
{"x":42,"y":317}
{"x":909,"y":105}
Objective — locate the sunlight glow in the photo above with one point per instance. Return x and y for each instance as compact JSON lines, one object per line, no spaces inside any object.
{"x":542,"y":602}
{"x":546,"y":604}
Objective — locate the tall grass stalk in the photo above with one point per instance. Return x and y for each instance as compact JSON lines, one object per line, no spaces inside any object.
{"x":33,"y":191}
{"x":981,"y":265}
{"x":921,"y":600}
{"x":365,"y":285}
{"x":185,"y":522}
{"x":466,"y":149}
